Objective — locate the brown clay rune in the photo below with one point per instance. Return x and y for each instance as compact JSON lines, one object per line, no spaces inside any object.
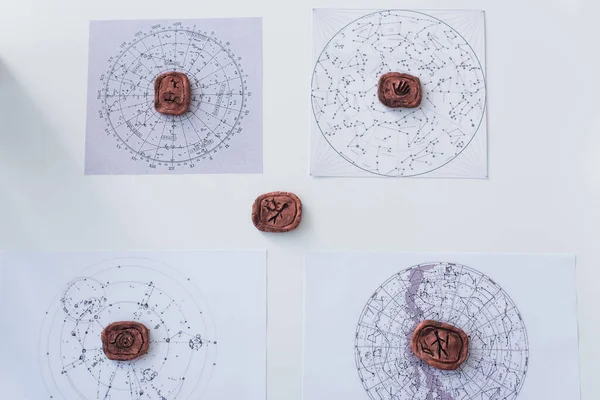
{"x":125,"y":341}
{"x":172,"y":93}
{"x":440,"y":345}
{"x":399,"y":90}
{"x":277,"y":212}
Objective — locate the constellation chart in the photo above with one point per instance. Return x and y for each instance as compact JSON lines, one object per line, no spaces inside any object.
{"x":451,"y":293}
{"x":126,"y":134}
{"x":133,"y":325}
{"x":183,"y":341}
{"x":355,"y":135}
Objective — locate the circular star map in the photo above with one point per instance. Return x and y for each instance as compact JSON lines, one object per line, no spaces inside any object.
{"x":398,"y":142}
{"x":454,"y":294}
{"x":183,"y":344}
{"x":218,"y":96}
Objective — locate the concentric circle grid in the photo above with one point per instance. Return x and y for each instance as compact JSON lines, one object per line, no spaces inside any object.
{"x":51,"y":375}
{"x":470,"y":373}
{"x":223,"y":131}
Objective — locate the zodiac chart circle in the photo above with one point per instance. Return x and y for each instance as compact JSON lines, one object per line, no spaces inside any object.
{"x":454,"y":294}
{"x":182,"y":349}
{"x":219,"y":95}
{"x":398,"y":142}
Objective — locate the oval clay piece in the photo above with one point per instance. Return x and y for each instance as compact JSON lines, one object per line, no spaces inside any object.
{"x":277,"y":212}
{"x":440,"y":345}
{"x":172,"y":93}
{"x":125,"y":341}
{"x":397,"y":90}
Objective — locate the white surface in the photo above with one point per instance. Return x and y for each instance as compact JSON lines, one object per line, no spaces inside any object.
{"x":67,"y":298}
{"x":518,"y":342}
{"x":543,"y":192}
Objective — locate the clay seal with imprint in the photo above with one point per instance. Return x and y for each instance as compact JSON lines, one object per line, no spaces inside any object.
{"x":172,"y":93}
{"x":277,"y":212}
{"x":125,"y":341}
{"x":399,"y":90}
{"x":440,"y":345}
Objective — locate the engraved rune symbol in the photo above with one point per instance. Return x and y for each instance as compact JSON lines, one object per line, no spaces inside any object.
{"x":442,"y":345}
{"x":170,"y":97}
{"x":275,"y":207}
{"x":401,"y":88}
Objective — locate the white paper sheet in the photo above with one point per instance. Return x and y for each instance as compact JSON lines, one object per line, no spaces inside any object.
{"x":206,"y":312}
{"x":519,"y":312}
{"x":221,"y":132}
{"x":353,"y":134}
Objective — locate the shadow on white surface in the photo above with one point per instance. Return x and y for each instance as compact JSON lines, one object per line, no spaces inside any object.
{"x":32,"y":161}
